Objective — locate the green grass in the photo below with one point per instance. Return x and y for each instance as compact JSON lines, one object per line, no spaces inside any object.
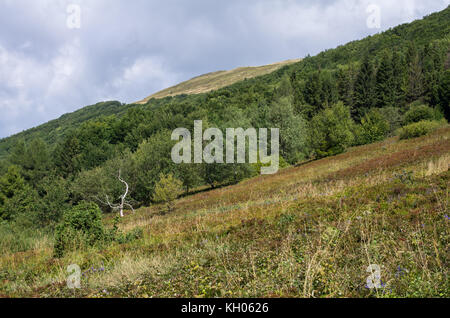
{"x":308,"y":231}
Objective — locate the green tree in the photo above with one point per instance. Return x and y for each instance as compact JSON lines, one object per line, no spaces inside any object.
{"x":167,"y":190}
{"x":444,"y":94}
{"x":293,"y":130}
{"x":345,"y":82}
{"x":364,"y":91}
{"x":68,"y":156}
{"x":385,"y":86}
{"x":152,"y":158}
{"x":393,"y":117}
{"x":81,"y":227}
{"x":415,"y":74}
{"x":374,"y":126}
{"x":11,"y":184}
{"x":34,"y":159}
{"x":418,"y":113}
{"x":189,"y":174}
{"x":216,"y":174}
{"x":55,"y":198}
{"x":331,"y":131}
{"x":313,"y":91}
{"x":399,"y":79}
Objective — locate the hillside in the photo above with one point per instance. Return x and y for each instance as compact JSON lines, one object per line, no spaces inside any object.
{"x":212,"y":81}
{"x":309,"y":231}
{"x":364,"y":152}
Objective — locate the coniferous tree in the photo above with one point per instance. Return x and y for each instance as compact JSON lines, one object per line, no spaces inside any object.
{"x":67,"y":156}
{"x":385,"y":89}
{"x":444,"y":94}
{"x":313,"y":90}
{"x":329,"y":89}
{"x":344,"y":85}
{"x":399,"y":79}
{"x":415,"y":75}
{"x":432,"y":70}
{"x":364,"y":91}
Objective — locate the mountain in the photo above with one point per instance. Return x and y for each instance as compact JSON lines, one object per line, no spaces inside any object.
{"x":54,"y":130}
{"x":215,"y":80}
{"x":432,"y":28}
{"x":363,"y":180}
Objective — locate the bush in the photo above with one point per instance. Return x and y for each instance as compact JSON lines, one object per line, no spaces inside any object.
{"x":81,"y":227}
{"x":167,"y":190}
{"x":393,"y":117}
{"x":415,"y":130}
{"x":418,"y":113}
{"x":116,"y":235}
{"x":374,"y":127}
{"x":331,"y":131}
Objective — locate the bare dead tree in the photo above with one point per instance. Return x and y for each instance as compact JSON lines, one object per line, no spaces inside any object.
{"x":123,"y":201}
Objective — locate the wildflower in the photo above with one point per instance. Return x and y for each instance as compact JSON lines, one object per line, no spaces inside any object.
{"x":446,"y":216}
{"x":400,"y":272}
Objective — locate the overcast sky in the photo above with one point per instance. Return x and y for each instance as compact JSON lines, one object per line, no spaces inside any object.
{"x":127,"y":50}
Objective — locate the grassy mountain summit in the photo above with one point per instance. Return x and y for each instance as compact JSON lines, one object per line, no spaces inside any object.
{"x":215,"y":80}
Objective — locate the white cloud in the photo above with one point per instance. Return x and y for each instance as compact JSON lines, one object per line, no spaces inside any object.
{"x":142,"y":73}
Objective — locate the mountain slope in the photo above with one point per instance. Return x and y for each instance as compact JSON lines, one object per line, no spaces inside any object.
{"x":308,"y":231}
{"x":215,"y":80}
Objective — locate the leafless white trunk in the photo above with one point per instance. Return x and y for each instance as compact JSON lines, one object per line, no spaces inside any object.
{"x":122,"y":198}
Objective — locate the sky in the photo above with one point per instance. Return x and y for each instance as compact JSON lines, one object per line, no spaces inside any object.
{"x":57,"y":56}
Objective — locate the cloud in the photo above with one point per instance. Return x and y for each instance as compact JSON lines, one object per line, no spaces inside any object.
{"x":127,"y":50}
{"x":144,"y":70}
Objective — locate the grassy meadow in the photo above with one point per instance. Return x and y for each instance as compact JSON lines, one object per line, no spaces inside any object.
{"x":308,"y":231}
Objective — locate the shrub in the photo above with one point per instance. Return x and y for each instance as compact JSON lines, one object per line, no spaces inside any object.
{"x":167,"y":190}
{"x":418,"y":113}
{"x":257,"y":166}
{"x":331,"y":131}
{"x":418,"y":129}
{"x":374,"y":127}
{"x":116,"y":235}
{"x":393,"y":117}
{"x":81,"y":227}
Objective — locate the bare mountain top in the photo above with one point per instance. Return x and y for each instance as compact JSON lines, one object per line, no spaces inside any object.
{"x":216,"y":80}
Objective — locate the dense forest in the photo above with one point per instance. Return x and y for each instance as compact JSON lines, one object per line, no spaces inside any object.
{"x":356,"y":94}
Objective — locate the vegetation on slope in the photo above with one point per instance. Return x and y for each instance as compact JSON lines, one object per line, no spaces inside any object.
{"x":309,"y":231}
{"x":354,"y":95}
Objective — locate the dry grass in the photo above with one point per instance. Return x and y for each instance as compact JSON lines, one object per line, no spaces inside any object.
{"x":212,"y":81}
